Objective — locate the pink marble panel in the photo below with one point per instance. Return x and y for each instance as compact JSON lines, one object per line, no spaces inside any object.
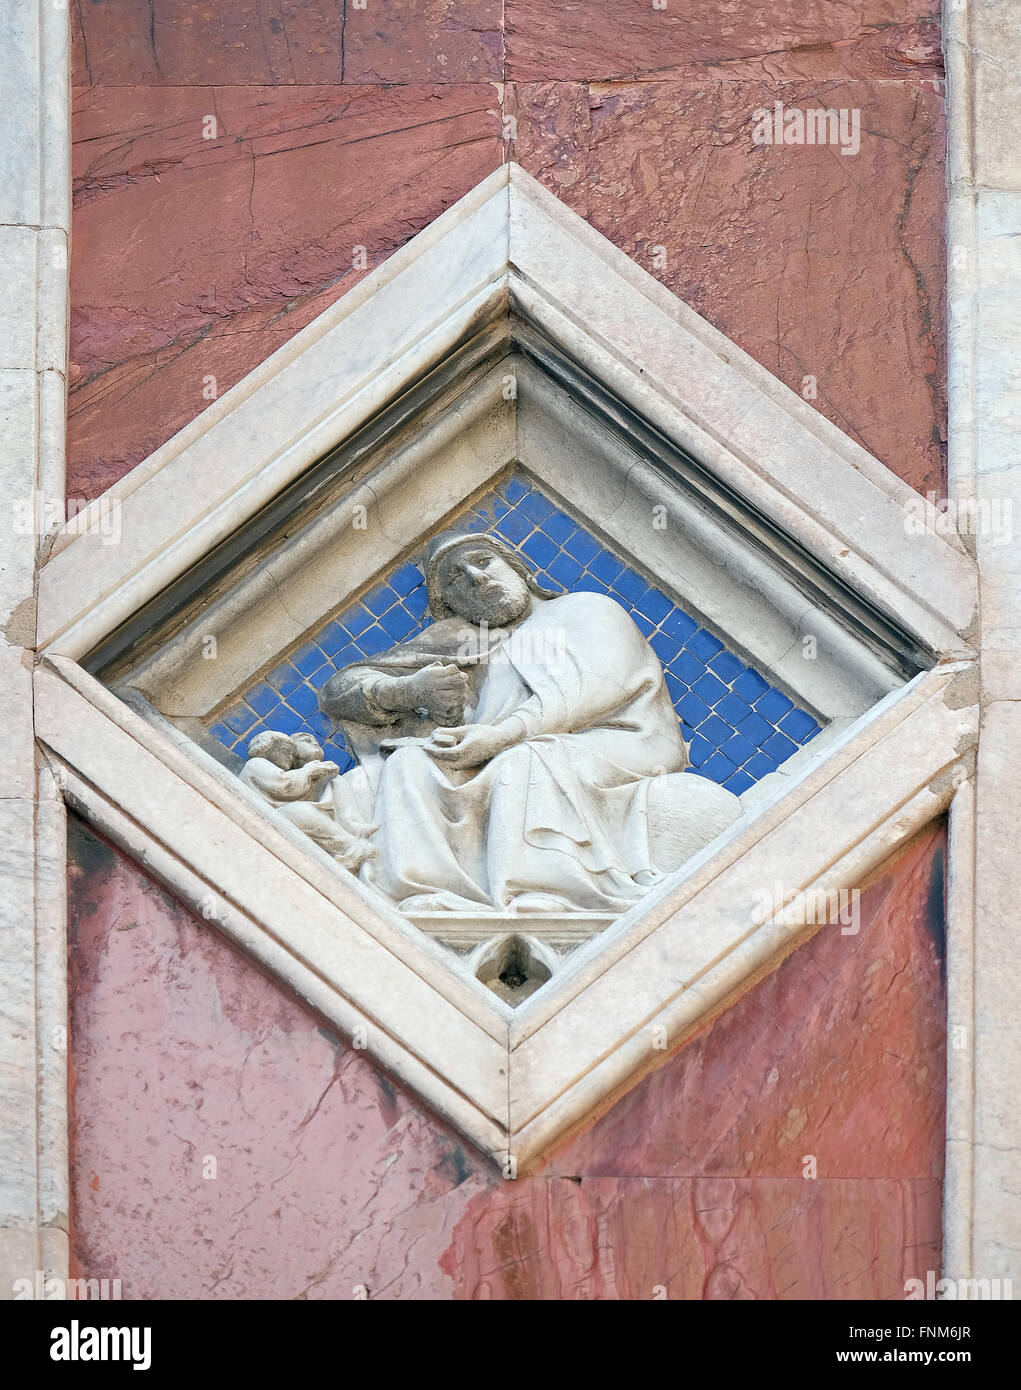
{"x":777,"y":39}
{"x":828,"y":269}
{"x":226,"y":1145}
{"x":838,"y":1057}
{"x":285,"y":42}
{"x":696,"y":1238}
{"x":193,"y":259}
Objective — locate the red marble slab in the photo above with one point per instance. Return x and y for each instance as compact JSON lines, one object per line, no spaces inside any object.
{"x":196,"y":258}
{"x":838,"y":1057}
{"x":820,"y":265}
{"x":424,"y":41}
{"x":224,"y":1145}
{"x":696,"y":1238}
{"x":291,"y":42}
{"x":171,"y":42}
{"x":777,"y":39}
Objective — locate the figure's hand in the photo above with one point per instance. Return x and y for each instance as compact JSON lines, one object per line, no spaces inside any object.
{"x":441,"y":688}
{"x":470,"y":745}
{"x":318,"y":774}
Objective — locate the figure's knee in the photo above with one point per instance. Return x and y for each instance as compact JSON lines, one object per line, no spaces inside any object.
{"x":686,"y":812}
{"x":515,"y":758}
{"x":408,"y":766}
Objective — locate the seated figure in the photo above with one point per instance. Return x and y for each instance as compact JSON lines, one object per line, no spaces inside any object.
{"x":521,"y":753}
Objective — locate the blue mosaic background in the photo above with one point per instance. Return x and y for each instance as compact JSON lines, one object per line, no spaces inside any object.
{"x":738,"y":727}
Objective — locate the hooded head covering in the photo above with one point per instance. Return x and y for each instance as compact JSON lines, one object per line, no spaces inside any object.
{"x":447,"y":541}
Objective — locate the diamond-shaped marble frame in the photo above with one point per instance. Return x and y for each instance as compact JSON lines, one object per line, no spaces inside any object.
{"x":513,"y":1082}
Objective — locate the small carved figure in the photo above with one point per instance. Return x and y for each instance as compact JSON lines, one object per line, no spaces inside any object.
{"x":288,"y":771}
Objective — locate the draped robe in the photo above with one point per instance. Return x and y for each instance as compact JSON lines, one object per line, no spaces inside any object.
{"x":562,"y":813}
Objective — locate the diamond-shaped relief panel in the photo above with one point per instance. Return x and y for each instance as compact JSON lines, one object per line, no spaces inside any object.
{"x":737,"y":726}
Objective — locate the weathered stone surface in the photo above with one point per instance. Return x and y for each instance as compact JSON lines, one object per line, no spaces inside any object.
{"x":185,"y":42}
{"x":819,"y":265}
{"x":190,"y":42}
{"x":164,"y":42}
{"x":424,"y":41}
{"x":751,"y":38}
{"x":840,"y":1055}
{"x":696,"y":1238}
{"x":184,"y":247}
{"x":194,"y":259}
{"x":330,"y":1178}
{"x":326,"y":1176}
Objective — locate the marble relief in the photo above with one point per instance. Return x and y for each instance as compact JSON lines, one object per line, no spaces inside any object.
{"x":519,"y":755}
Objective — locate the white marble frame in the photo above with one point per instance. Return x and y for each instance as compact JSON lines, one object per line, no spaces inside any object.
{"x":420,"y":481}
{"x":35,"y":226}
{"x":507,"y":241}
{"x":982,"y":1194}
{"x":512,"y":1082}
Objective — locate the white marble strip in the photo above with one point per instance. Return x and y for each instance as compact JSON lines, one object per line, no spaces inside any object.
{"x":982,"y":1210}
{"x":958,"y":1182}
{"x":34,"y":232}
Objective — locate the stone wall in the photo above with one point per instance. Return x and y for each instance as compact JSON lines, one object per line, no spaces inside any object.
{"x":193,"y":258}
{"x":226,"y":1146}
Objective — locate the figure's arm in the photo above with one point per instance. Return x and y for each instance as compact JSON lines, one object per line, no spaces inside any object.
{"x":367,"y":696}
{"x":604,"y":663}
{"x":350,"y":695}
{"x":276,"y":784}
{"x":472,"y":745}
{"x":319,"y":775}
{"x":581,"y":699}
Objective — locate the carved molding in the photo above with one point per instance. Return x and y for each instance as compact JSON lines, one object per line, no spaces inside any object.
{"x":563,"y":1052}
{"x":508,"y":269}
{"x":507,"y":242}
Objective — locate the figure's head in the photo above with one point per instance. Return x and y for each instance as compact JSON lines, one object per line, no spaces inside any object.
{"x":480,"y":579}
{"x":276,"y":748}
{"x":308,"y":748}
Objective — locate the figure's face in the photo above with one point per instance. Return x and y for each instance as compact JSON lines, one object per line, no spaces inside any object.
{"x":281,"y":753}
{"x":478,"y":585}
{"x":308,"y":749}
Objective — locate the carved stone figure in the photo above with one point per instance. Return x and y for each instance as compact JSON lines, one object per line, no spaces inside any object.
{"x":520,"y":754}
{"x":288,"y":771}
